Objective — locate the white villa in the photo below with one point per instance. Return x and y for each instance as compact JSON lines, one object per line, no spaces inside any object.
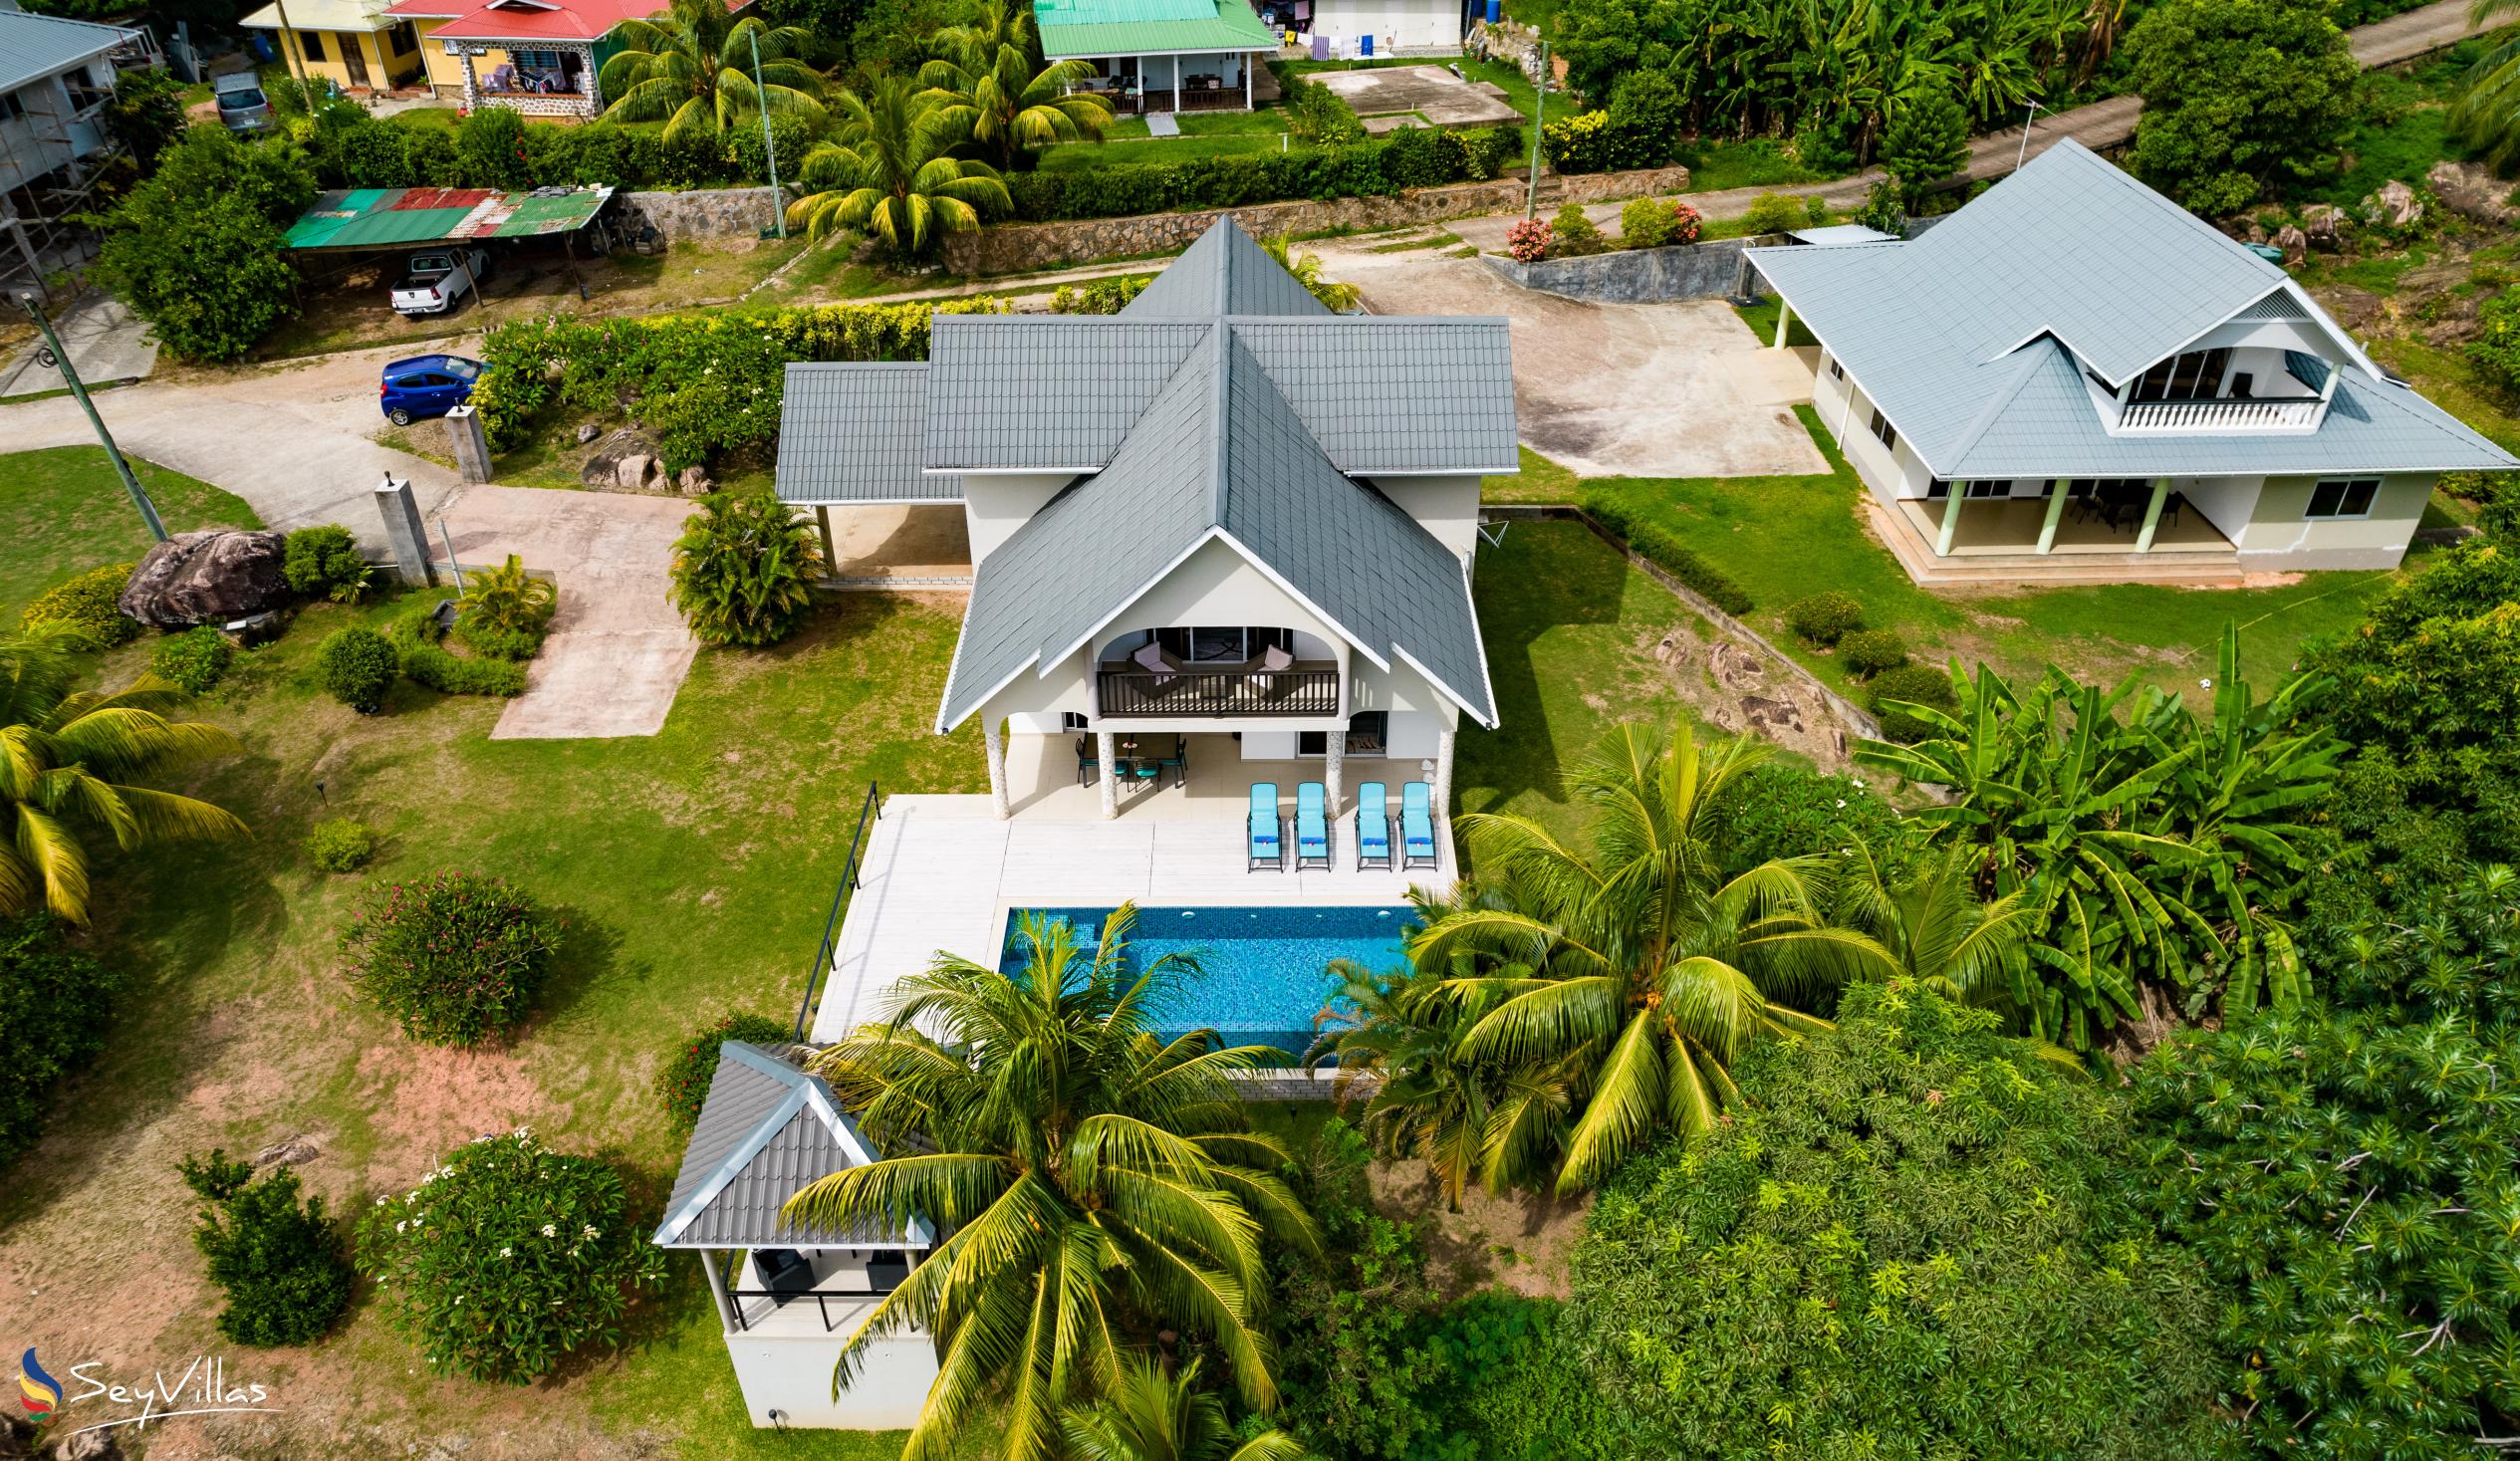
{"x":2073,"y":378}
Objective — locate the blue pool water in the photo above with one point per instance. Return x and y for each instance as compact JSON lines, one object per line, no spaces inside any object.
{"x":1263,"y":972}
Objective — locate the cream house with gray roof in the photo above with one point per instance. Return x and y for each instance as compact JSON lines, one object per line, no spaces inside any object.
{"x":2074,"y":378}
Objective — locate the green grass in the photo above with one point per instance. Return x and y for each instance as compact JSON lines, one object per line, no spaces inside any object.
{"x":441,"y":119}
{"x":1761,"y":317}
{"x":1520,"y":93}
{"x":1260,"y":122}
{"x":2450,"y":381}
{"x":1713,"y":166}
{"x":67,"y":513}
{"x":1541,"y":480}
{"x":1070,"y":157}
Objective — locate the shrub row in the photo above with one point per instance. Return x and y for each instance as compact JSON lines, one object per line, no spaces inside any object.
{"x":496,"y":147}
{"x":424,"y":660}
{"x":1410,"y":157}
{"x":702,"y":384}
{"x":1666,"y":551}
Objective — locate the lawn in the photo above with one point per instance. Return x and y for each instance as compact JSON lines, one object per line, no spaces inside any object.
{"x":67,"y":513}
{"x":1714,"y":165}
{"x":693,"y":871}
{"x":1072,"y":157}
{"x":1260,"y":122}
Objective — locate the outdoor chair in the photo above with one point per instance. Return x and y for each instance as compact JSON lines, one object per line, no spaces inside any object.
{"x":1178,"y":763}
{"x":1373,"y":827}
{"x":1312,"y":827}
{"x":1417,"y":825}
{"x":1089,"y":761}
{"x":1264,"y":828}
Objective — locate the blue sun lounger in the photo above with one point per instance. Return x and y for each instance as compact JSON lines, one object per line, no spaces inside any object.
{"x":1268,"y":848}
{"x":1417,"y":825}
{"x":1312,"y":827}
{"x":1373,"y":827}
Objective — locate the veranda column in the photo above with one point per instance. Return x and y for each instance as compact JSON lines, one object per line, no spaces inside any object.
{"x":1443,"y":773}
{"x":831,"y":554}
{"x":1335,"y":772}
{"x":472,"y":82}
{"x":711,"y":1261}
{"x":2152,"y":515}
{"x":2056,"y":514}
{"x":996,"y":740}
{"x":1176,"y":85}
{"x":1951,"y":519}
{"x":1246,"y":92}
{"x":1784,"y":319}
{"x":1106,"y":754}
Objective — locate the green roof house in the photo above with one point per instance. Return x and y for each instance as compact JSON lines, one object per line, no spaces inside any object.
{"x":1162,"y":56}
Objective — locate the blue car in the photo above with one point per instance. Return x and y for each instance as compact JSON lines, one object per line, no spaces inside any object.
{"x":426,"y":385}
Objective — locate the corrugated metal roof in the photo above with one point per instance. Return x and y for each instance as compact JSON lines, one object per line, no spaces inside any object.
{"x":854,"y":431}
{"x":1097,"y":28}
{"x":376,"y":218}
{"x":322,"y":15}
{"x":1967,"y":337}
{"x":33,"y":47}
{"x":767,"y":1131}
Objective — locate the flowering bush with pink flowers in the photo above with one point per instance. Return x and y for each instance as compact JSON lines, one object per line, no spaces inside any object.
{"x":454,"y":958}
{"x":1528,"y":241}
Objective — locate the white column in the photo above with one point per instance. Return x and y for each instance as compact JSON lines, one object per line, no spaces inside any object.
{"x":1336,"y":744}
{"x":1106,"y":752}
{"x":1246,"y":93}
{"x":2152,"y":513}
{"x":711,"y":1261}
{"x":1176,"y":85}
{"x":2056,"y":513}
{"x":1951,"y":519}
{"x":994,"y":739}
{"x":1444,"y":772}
{"x":1784,"y":320}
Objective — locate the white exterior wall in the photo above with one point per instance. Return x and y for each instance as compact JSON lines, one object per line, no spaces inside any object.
{"x":994,"y":507}
{"x":792,"y":1375}
{"x":1447,"y":507}
{"x":1847,"y":413}
{"x":2279,"y":536}
{"x":1396,"y":25}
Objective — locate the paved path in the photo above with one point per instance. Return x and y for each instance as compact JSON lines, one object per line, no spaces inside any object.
{"x":107,"y":343}
{"x":2100,"y":124}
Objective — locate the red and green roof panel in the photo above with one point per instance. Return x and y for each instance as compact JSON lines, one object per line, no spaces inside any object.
{"x":383,"y":218}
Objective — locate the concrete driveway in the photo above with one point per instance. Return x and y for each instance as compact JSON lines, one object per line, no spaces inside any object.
{"x":617,"y":651}
{"x":1608,"y":390}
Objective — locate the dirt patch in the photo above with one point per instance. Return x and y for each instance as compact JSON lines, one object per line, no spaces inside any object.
{"x":1519,"y":1241}
{"x":429,"y":1100}
{"x":1736,"y":685}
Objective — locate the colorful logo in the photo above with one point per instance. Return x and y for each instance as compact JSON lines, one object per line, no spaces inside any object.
{"x":39,"y":1392}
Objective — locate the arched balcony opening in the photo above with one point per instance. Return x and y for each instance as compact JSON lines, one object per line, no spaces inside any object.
{"x":1258,"y":672}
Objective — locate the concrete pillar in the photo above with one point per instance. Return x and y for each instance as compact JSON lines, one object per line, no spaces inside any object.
{"x":712,"y":1263}
{"x":2152,"y":513}
{"x":403,"y":533}
{"x":1106,"y":752}
{"x":1951,"y":519}
{"x":472,"y":81}
{"x":2056,"y":514}
{"x":993,"y":737}
{"x":1444,"y":772}
{"x":471,"y":444}
{"x":1784,"y":320}
{"x":1334,"y":773}
{"x":1176,"y":85}
{"x":1249,"y":60}
{"x":831,"y":555}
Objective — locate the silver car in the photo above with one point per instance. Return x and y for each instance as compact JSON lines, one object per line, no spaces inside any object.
{"x":242,"y":105}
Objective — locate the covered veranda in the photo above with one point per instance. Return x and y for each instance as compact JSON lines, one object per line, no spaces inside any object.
{"x":1189,"y":80}
{"x":2072,"y":516}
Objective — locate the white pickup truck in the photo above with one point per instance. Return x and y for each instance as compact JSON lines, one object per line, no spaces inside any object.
{"x":434,"y":281}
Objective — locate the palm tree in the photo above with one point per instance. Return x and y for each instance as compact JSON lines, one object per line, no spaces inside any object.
{"x":692,"y":67}
{"x":1937,"y":930}
{"x":1339,"y":298}
{"x":1639,"y":966}
{"x":1148,"y":1415}
{"x":1397,"y":1039}
{"x":888,"y":172}
{"x":1095,"y":1181}
{"x":2487,"y":114}
{"x":64,"y":763}
{"x":988,"y":84}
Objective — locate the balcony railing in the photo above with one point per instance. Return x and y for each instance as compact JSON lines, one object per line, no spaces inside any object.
{"x":2241,"y":414}
{"x":1299,"y":689}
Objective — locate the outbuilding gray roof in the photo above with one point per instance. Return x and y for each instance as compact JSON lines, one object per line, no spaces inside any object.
{"x":766,"y":1133}
{"x":36,"y":45}
{"x":1973,"y":339}
{"x":852,"y":432}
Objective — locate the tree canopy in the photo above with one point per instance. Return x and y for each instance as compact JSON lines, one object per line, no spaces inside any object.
{"x":2238,"y":96}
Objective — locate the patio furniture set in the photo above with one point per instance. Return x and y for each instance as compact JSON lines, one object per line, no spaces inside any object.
{"x":1372,"y":827}
{"x":1132,"y":768}
{"x":2121,"y":506}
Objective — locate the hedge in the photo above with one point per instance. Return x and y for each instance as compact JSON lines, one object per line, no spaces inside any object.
{"x":1666,"y":551}
{"x":496,"y":147}
{"x":1410,"y":157}
{"x":425,"y":661}
{"x":703,"y":384}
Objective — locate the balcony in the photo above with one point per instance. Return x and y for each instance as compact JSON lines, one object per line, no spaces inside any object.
{"x":2230,"y":414}
{"x":1302,"y":688}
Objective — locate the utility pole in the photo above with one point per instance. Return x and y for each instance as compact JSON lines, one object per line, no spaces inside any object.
{"x":59,"y":357}
{"x":2024,"y":153}
{"x":1539,"y":109}
{"x":778,"y":200}
{"x":294,"y":50}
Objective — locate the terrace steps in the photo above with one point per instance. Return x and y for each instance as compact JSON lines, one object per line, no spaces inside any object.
{"x":2187,"y":569}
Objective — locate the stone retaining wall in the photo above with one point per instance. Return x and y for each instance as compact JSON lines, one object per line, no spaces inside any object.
{"x":1602,"y":188}
{"x":1699,"y":271}
{"x":721,"y":212}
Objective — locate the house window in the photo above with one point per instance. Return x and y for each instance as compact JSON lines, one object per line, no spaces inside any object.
{"x":1939,"y":489}
{"x":1882,"y":431}
{"x":1072,"y":720}
{"x":12,"y":107}
{"x":2348,"y":497}
{"x":1368,"y":731}
{"x":1224,"y":645}
{"x":2195,"y":376}
{"x":536,"y":60}
{"x":312,"y":42}
{"x":1836,"y":368}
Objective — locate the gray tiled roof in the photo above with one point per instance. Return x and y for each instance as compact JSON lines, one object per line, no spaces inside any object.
{"x":36,"y":45}
{"x":1226,"y":272}
{"x":1396,"y":394}
{"x":854,"y":431}
{"x":1018,"y":392}
{"x":1961,"y":336}
{"x":1220,"y":450}
{"x":766,"y":1132}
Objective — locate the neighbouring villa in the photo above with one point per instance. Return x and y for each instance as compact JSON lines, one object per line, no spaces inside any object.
{"x":538,"y":57}
{"x":2073,"y":378}
{"x":1162,"y":56}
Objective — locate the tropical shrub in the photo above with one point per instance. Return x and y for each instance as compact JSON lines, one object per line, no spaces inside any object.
{"x":1527,"y":240}
{"x":193,"y":661}
{"x":1653,"y":223}
{"x":1147,"y":1412}
{"x":88,"y":603}
{"x":503,"y":613}
{"x":507,"y":1257}
{"x":1319,"y":114}
{"x":147,"y":112}
{"x":454,"y":958}
{"x":1772,"y":213}
{"x":2240,"y":97}
{"x":1913,"y":685}
{"x":319,"y":560}
{"x":1376,"y":169}
{"x":420,"y":653}
{"x":1647,"y":114}
{"x":744,"y":570}
{"x":198,"y":249}
{"x":1883,"y":211}
{"x":356,"y":665}
{"x":2496,"y":348}
{"x":1927,"y":141}
{"x":1572,"y":235}
{"x":338,"y":845}
{"x":1868,"y":652}
{"x":70,"y":762}
{"x":55,"y":1002}
{"x":683,"y":1085}
{"x":279,"y":1264}
{"x":1100,"y":296}
{"x":1824,"y":618}
{"x":1908,"y":1241}
{"x":1658,"y":547}
{"x":2165,"y":849}
{"x":1777,"y":810}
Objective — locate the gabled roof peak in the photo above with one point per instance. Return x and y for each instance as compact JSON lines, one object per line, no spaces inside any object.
{"x":1226,"y":272}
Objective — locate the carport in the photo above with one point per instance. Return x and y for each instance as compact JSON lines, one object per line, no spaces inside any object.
{"x":374,"y":220}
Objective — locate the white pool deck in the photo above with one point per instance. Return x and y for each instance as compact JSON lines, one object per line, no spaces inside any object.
{"x":941,"y":873}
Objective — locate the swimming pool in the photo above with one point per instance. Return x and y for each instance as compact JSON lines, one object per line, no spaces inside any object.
{"x":1264,"y":972}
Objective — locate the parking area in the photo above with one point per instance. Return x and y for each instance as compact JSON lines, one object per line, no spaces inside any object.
{"x":1394,"y":95}
{"x":1610,"y":390}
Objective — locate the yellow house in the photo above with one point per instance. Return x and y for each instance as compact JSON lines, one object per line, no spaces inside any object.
{"x":445,"y":67}
{"x":354,"y":44}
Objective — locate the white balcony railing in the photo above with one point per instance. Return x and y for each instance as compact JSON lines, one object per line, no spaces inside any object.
{"x":2300,"y":413}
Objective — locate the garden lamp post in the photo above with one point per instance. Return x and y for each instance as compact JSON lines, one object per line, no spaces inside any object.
{"x":778,"y":200}
{"x":55,"y":353}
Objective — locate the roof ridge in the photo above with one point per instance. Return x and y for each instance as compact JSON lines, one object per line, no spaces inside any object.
{"x":1984,"y":420}
{"x":1219,"y":407}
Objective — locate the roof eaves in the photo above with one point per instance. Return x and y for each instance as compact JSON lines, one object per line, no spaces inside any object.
{"x":682,"y":1217}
